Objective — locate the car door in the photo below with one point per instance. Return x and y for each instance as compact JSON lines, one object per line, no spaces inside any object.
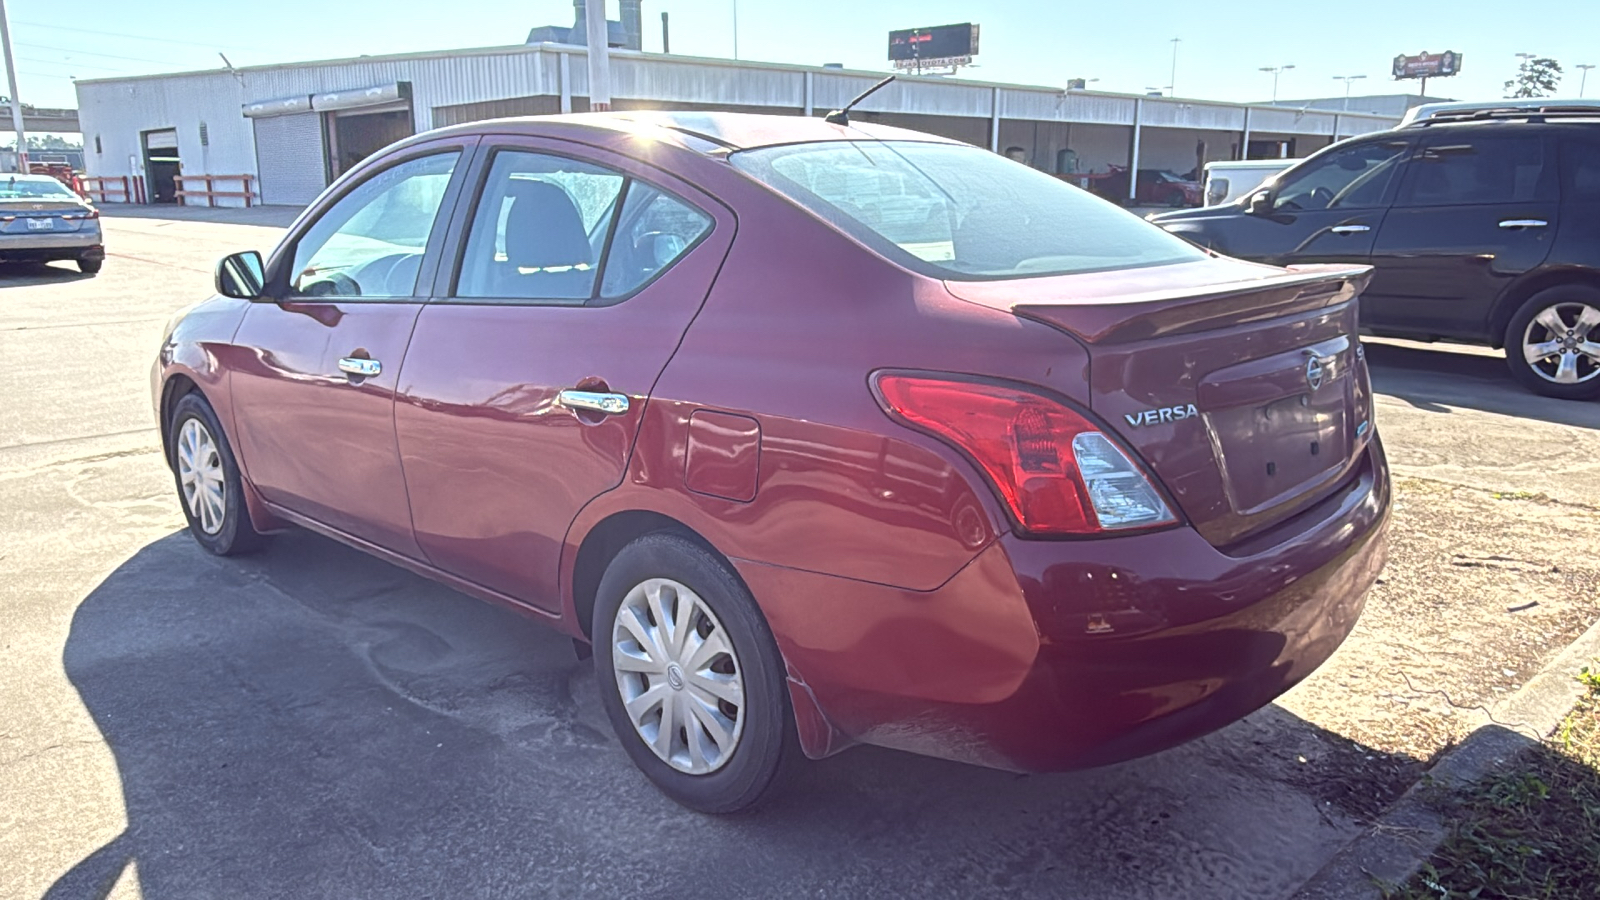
{"x":1327,"y":210}
{"x":1475,"y":210}
{"x":314,"y":391}
{"x":576,"y":272}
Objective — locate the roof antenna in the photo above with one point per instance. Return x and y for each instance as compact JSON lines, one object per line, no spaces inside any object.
{"x":842,"y":116}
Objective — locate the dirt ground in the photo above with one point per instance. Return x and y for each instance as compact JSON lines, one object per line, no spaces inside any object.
{"x":1481,"y":590}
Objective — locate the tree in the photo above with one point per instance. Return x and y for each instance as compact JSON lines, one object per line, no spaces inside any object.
{"x":1535,"y":78}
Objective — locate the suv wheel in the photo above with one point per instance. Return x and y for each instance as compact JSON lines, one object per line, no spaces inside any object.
{"x":690,"y":677}
{"x":1553,"y":342}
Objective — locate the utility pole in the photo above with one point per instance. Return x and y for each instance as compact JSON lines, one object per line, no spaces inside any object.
{"x":1276,"y":71}
{"x":666,"y":40}
{"x":1347,"y":79}
{"x":1583,"y":80}
{"x":735,"y":29}
{"x":1172,"y":82}
{"x":16,"y":102}
{"x":594,"y":16}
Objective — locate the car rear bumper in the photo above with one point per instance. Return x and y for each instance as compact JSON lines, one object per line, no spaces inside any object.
{"x":1056,"y":655}
{"x":46,"y":247}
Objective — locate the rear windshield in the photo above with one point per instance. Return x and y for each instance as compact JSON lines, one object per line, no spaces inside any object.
{"x":18,"y":189}
{"x":959,"y":212}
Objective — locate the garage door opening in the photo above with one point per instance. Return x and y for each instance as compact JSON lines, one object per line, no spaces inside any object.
{"x":161,"y":164}
{"x":357,"y":134}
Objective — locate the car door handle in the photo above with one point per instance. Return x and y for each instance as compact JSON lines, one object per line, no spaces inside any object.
{"x":360,"y":367}
{"x":1523,"y":223}
{"x":610,"y":404}
{"x":1350,"y":229}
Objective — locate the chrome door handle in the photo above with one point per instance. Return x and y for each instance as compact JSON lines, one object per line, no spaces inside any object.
{"x":1523,"y":223}
{"x":359,"y":367}
{"x":610,"y":404}
{"x":1350,"y":229}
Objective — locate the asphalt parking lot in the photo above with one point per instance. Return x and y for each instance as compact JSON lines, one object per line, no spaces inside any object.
{"x":310,"y":722}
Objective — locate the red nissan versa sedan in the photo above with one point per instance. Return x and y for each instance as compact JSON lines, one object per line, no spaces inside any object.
{"x":819,"y":433}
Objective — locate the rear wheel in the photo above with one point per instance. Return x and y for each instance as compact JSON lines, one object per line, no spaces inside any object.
{"x":208,"y":482}
{"x":1553,"y":342}
{"x":690,"y":676}
{"x":90,"y":266}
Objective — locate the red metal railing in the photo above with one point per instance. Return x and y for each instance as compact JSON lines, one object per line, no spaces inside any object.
{"x":109,"y":188}
{"x":211,"y":193}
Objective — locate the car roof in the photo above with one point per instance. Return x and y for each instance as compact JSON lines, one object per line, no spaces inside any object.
{"x":706,"y":132}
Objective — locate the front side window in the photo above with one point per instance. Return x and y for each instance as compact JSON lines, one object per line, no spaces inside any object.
{"x":1457,"y":169}
{"x":1347,"y":178}
{"x":959,"y":212}
{"x":540,"y":229}
{"x":370,"y":243}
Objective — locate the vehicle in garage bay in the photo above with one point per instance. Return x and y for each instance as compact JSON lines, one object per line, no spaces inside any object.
{"x":1481,"y":220}
{"x":1018,"y":479}
{"x":42,"y":220}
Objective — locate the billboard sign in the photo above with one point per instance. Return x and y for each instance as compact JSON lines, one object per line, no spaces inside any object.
{"x":1427,"y":65}
{"x":931,"y":45}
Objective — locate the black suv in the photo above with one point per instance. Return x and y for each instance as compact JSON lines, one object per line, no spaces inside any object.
{"x":1482,"y":223}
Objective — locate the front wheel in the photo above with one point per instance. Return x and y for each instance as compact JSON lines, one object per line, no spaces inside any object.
{"x":1553,"y":345}
{"x":690,"y":676}
{"x":208,"y":479}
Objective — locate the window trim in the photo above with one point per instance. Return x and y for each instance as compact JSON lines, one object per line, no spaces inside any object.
{"x":1414,"y":166}
{"x":452,"y":267}
{"x":280,"y":265}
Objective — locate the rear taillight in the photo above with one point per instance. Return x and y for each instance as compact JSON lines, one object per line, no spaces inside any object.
{"x":1055,"y":469}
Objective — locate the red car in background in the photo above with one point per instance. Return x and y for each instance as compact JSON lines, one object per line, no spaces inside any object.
{"x":818,"y":434}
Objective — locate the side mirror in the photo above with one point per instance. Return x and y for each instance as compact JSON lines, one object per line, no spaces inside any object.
{"x":1216,"y":190}
{"x":241,"y":276}
{"x":1260,"y":203}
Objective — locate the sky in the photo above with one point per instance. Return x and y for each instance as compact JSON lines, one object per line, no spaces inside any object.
{"x":1223,"y":44}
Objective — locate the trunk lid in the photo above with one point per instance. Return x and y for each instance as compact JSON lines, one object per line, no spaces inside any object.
{"x":41,"y":216}
{"x":1243,"y":387}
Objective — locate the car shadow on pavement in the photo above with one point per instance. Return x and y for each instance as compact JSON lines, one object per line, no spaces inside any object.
{"x":312,"y":722}
{"x":30,"y":274}
{"x":1436,"y":378}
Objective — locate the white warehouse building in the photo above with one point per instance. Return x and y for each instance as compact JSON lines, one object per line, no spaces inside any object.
{"x":295,"y":127}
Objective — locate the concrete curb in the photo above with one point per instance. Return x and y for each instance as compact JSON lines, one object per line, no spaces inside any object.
{"x":1392,"y":849}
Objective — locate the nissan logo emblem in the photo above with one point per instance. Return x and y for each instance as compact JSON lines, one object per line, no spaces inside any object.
{"x":1314,"y":372}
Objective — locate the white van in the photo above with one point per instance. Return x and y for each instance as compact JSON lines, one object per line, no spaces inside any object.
{"x":1229,"y":180}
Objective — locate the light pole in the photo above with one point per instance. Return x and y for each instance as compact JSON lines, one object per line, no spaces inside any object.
{"x":1173,"y":80}
{"x":16,"y":102}
{"x":1276,"y":71}
{"x":1583,"y":80}
{"x":1347,"y":79}
{"x":735,"y":29}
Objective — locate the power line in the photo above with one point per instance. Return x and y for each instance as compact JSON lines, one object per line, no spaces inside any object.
{"x":57,"y":62}
{"x":209,"y":45}
{"x":83,"y":52}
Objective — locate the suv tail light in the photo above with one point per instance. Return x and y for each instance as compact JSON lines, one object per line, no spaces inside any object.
{"x":1057,"y":471}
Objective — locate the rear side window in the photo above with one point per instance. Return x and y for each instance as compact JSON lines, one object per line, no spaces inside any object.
{"x":1581,"y":160}
{"x":1346,"y":178}
{"x":1457,"y":170}
{"x":655,"y":228}
{"x":958,"y":212}
{"x":539,"y":229}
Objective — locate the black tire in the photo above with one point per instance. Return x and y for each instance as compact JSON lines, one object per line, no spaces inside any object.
{"x":235,"y":535}
{"x":90,"y":266}
{"x":1566,"y":299}
{"x":767,"y":750}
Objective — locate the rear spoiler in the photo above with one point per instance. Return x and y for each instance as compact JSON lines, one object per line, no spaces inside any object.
{"x":1109,"y":320}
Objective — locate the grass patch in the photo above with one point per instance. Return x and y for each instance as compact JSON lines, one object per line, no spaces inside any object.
{"x":1532,"y":831}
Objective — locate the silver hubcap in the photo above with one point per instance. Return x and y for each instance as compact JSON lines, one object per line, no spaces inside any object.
{"x":1557,"y":343}
{"x":200,"y":475}
{"x":680,"y":680}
